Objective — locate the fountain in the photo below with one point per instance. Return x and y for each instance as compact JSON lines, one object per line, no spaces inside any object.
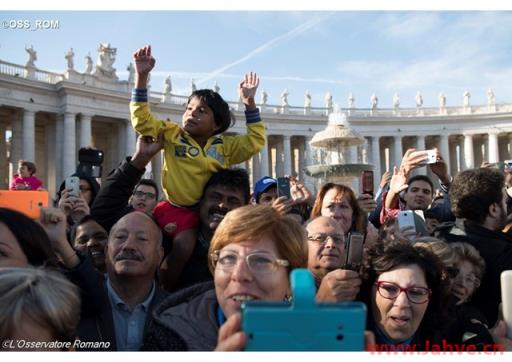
{"x":338,"y":157}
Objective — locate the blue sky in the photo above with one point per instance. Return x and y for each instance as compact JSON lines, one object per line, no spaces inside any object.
{"x":380,"y":52}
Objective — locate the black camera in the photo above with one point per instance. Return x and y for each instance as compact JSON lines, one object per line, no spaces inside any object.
{"x":89,"y":162}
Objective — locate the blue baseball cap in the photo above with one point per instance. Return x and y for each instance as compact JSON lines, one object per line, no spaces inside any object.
{"x":263,"y":185}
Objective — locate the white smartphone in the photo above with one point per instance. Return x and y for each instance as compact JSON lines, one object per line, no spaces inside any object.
{"x":431,"y":157}
{"x":506,"y":299}
{"x":73,"y":184}
{"x":406,"y":218}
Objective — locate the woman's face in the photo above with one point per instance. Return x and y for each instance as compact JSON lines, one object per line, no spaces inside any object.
{"x":85,"y":191}
{"x":338,"y":207}
{"x":466,"y":282}
{"x":11,"y":254}
{"x":399,"y":318}
{"x":239,"y":284}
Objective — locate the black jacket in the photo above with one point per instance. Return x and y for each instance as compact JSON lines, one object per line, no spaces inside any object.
{"x":97,"y":323}
{"x":496,"y":249}
{"x":185,"y":321}
{"x":111,"y":202}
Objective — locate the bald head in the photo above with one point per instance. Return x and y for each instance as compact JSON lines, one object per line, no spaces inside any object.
{"x":137,"y":216}
{"x":322,"y":222}
{"x":326,"y":247}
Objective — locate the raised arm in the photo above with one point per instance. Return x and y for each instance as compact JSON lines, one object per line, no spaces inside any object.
{"x":247,"y":89}
{"x":144,"y":63}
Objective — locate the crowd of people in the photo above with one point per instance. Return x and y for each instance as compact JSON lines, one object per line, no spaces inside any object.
{"x":122,"y":267}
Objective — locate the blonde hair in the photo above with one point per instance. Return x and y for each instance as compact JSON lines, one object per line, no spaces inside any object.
{"x":44,"y":296}
{"x":469,"y":253}
{"x":252,"y":222}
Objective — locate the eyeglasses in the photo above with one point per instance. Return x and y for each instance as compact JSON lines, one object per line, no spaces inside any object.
{"x":322,"y":238}
{"x":416,"y":295}
{"x":258,"y":263}
{"x":452,"y":272}
{"x":149,"y":195}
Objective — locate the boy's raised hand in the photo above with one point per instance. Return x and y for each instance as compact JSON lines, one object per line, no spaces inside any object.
{"x":143,"y":60}
{"x":247,"y":89}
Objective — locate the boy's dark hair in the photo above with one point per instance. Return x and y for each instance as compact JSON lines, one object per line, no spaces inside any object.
{"x":147,"y":182}
{"x":473,"y":191}
{"x":234,"y":178}
{"x":31,"y":166}
{"x":221,"y":112}
{"x":421,"y":178}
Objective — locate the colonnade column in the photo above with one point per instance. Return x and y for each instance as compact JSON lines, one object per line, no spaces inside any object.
{"x":420,"y":146}
{"x":4,"y":169}
{"x":493,"y":147}
{"x":131,"y":139}
{"x":376,"y":161}
{"x":69,"y":145}
{"x":469,"y":156}
{"x":287,"y":155}
{"x":17,"y":142}
{"x":264,"y":169}
{"x":85,"y":130}
{"x":397,"y":150}
{"x":29,"y":135}
{"x":444,"y":148}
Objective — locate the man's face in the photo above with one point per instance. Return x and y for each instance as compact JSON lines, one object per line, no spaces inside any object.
{"x":418,"y":196}
{"x":144,"y":197}
{"x":329,"y":254}
{"x":91,"y":238}
{"x":218,"y":200}
{"x":134,"y":246}
{"x":268,"y":196}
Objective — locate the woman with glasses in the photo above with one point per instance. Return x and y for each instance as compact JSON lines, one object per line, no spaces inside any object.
{"x":403,"y":290}
{"x":469,"y":325}
{"x":251,"y":255}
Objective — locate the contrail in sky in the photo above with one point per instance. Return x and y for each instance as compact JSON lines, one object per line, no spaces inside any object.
{"x":288,"y":35}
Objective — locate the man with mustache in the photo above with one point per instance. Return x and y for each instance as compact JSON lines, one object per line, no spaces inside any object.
{"x":326,"y":256}
{"x":115,"y":309}
{"x":129,"y":293}
{"x":225,"y":190}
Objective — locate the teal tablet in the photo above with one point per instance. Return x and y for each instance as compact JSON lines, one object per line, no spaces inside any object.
{"x":303,"y":324}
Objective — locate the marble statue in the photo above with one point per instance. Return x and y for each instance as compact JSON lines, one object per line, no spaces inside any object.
{"x":69,"y":58}
{"x":419,"y":100}
{"x":131,"y":73}
{"x":491,"y":100}
{"x":374,"y":101}
{"x":351,"y":100}
{"x":88,"y":63}
{"x":32,"y":57}
{"x":328,"y":100}
{"x":193,"y":86}
{"x":396,"y":100}
{"x":307,"y":100}
{"x":442,"y":100}
{"x":284,"y":98}
{"x":216,"y":87}
{"x":466,"y":96}
{"x":106,"y":59}
{"x":167,"y":85}
{"x":264,"y":97}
